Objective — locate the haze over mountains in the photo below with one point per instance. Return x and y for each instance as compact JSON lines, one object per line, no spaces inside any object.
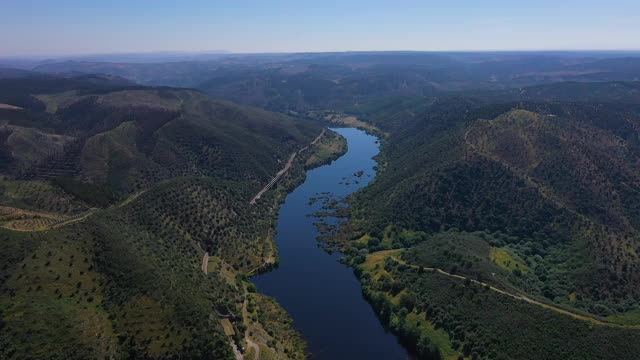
{"x":503,"y":222}
{"x":294,"y":81}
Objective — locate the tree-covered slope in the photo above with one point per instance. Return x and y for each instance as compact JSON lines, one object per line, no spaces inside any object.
{"x":130,"y":138}
{"x":551,"y":187}
{"x":126,"y":225}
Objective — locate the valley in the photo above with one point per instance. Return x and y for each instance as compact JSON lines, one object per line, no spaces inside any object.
{"x":322,"y":295}
{"x":364,"y":205}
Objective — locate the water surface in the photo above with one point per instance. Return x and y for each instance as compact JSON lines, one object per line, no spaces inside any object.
{"x":323,"y":296}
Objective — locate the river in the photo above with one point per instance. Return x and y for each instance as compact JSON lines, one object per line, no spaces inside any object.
{"x":322,"y":295}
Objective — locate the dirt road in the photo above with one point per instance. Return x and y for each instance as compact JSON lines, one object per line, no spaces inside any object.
{"x":205,"y":263}
{"x":74,"y":219}
{"x":575,"y":315}
{"x":284,"y":170}
{"x":275,"y":179}
{"x":236,"y":352}
{"x":131,"y":198}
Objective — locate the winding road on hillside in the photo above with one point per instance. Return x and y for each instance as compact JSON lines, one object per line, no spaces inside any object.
{"x":205,"y":263}
{"x":286,"y":168}
{"x":393,"y":255}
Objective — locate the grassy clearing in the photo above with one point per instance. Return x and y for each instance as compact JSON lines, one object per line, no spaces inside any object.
{"x":627,"y":318}
{"x":54,"y":102}
{"x":375,"y":261}
{"x":228,"y":328}
{"x":352,"y":121}
{"x":438,"y":337}
{"x":267,"y":353}
{"x":364,"y":239}
{"x":251,"y":354}
{"x":507,"y":260}
{"x":328,"y":148}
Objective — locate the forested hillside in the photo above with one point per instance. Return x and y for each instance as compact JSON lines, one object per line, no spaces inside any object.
{"x":126,"y":225}
{"x":534,"y":199}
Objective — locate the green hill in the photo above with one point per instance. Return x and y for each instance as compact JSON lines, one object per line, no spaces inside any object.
{"x":549,"y":191}
{"x":126,"y":224}
{"x":131,"y":138}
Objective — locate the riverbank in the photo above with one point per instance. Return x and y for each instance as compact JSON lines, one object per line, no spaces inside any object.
{"x":322,"y":295}
{"x":263,"y":329}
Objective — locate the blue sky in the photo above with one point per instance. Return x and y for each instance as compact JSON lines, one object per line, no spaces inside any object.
{"x":71,"y":27}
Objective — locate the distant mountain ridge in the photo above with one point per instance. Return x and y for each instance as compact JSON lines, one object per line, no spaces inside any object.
{"x":302,"y":81}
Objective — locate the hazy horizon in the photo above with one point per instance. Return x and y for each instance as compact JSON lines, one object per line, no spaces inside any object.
{"x":38,"y":28}
{"x":229,"y":53}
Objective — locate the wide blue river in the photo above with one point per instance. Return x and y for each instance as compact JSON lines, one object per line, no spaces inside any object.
{"x":322,"y":295}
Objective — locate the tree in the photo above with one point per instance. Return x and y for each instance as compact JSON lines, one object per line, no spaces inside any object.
{"x":517,"y":272}
{"x":426,"y":349}
{"x":251,"y":287}
{"x":385,"y":282}
{"x":408,"y":301}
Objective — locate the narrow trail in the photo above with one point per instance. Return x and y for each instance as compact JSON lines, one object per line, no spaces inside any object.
{"x":205,"y":263}
{"x":131,"y":198}
{"x":74,"y":219}
{"x":250,"y":343}
{"x":575,"y":315}
{"x":268,"y":262}
{"x":236,"y":352}
{"x":85,"y":215}
{"x":284,"y":170}
{"x":315,"y":141}
{"x":275,"y":179}
{"x":255,"y":347}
